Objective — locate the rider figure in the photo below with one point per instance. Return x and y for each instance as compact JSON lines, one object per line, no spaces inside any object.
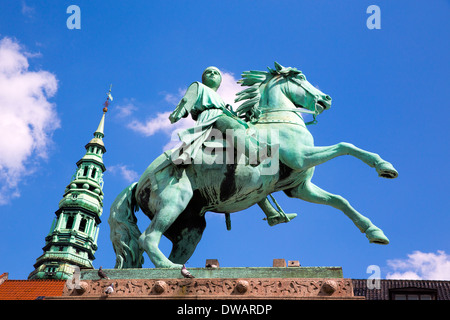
{"x":202,"y":101}
{"x":207,"y":108}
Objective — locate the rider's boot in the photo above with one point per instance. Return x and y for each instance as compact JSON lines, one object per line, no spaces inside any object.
{"x":280,"y":217}
{"x":275,"y":216}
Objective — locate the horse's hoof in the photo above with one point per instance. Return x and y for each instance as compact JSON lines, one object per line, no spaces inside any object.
{"x":386,"y":170}
{"x":168,"y":265}
{"x":376,"y":235}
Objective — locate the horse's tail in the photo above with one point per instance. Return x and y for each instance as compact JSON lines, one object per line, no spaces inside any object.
{"x":124,"y":230}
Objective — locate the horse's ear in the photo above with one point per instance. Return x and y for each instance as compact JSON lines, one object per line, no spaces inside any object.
{"x":278,"y":66}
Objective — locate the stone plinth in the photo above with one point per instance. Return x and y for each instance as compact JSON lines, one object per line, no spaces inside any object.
{"x":240,"y":272}
{"x":219,"y":288}
{"x":288,"y":283}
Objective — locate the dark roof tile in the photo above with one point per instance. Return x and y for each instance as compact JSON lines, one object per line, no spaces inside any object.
{"x":360,"y":288}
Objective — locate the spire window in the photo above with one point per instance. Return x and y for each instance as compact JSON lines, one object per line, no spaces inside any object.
{"x":82,"y":227}
{"x":69,"y":223}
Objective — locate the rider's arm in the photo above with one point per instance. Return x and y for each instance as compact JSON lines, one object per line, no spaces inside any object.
{"x":186,"y":104}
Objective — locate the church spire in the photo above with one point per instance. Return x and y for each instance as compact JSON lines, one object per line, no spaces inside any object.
{"x":72,"y":240}
{"x":99,"y":132}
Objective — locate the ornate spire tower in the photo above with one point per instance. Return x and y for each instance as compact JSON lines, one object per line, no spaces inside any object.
{"x":72,"y":240}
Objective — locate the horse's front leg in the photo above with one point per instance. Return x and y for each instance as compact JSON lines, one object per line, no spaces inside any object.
{"x":306,"y":157}
{"x":310,"y":192}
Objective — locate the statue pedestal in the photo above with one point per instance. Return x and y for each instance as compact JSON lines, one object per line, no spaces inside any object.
{"x":288,"y":283}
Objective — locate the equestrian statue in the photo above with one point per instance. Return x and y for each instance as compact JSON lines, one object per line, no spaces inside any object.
{"x":229,"y":161}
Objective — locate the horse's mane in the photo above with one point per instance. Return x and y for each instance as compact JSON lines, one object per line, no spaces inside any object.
{"x":249,"y":110}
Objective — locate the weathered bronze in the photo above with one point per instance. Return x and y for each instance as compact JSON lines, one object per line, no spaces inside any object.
{"x":175,"y":194}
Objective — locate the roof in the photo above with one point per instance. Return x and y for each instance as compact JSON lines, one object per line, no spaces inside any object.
{"x":30,"y":289}
{"x":442,"y":288}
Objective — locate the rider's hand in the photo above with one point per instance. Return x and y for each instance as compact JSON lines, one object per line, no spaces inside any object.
{"x":174,"y":116}
{"x":179,"y":111}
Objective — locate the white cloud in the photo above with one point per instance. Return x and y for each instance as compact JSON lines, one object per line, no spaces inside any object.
{"x":27,"y":118}
{"x":229,"y":88}
{"x":161,"y":122}
{"x":125,"y":110}
{"x":421,"y":265}
{"x":174,"y":98}
{"x":153,"y":125}
{"x":127,"y":174}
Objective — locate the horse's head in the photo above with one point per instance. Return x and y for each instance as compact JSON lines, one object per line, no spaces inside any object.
{"x":279,"y":88}
{"x":304,"y":95}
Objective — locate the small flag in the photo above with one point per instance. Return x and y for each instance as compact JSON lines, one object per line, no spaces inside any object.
{"x":109,"y":93}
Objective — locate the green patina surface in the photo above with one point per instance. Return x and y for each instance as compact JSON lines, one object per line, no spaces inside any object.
{"x":72,"y":240}
{"x":183,"y":184}
{"x":231,"y":272}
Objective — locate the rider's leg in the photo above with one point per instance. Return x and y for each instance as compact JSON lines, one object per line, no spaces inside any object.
{"x":255,"y":151}
{"x":274,"y":216}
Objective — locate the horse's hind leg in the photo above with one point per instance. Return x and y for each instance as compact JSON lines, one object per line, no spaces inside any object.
{"x":185,"y":240}
{"x":167,"y":204}
{"x":310,"y":192}
{"x":186,"y":232}
{"x":308,"y":156}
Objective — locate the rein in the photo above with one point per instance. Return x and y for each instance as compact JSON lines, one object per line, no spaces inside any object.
{"x":296,"y":111}
{"x":301,"y":110}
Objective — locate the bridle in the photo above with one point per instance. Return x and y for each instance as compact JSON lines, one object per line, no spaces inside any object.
{"x":296,"y":111}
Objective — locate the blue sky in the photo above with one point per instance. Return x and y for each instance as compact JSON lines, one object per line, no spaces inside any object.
{"x":389,"y":90}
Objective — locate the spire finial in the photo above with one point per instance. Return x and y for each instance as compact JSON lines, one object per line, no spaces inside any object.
{"x":105,"y":109}
{"x":108,"y":98}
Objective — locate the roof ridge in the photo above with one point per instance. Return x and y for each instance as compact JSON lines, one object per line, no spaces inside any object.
{"x":35,"y":280}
